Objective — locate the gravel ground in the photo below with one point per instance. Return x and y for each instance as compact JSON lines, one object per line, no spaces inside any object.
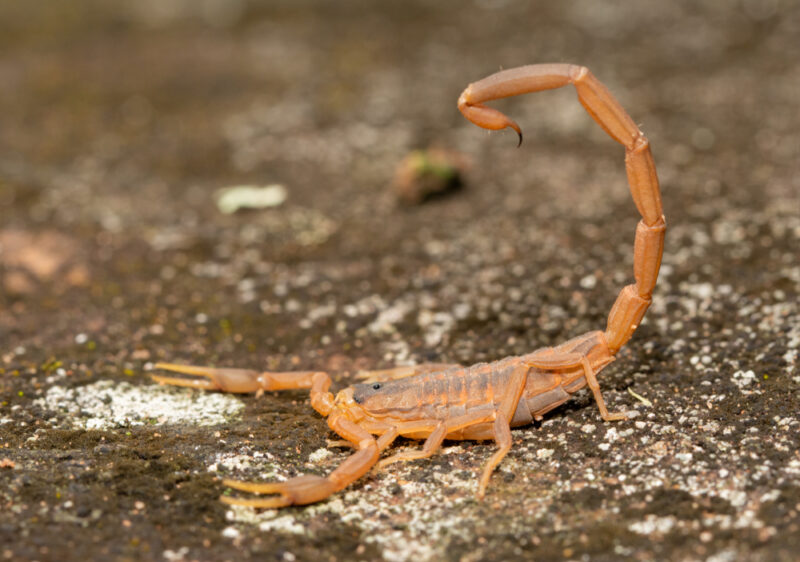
{"x":122,"y":124}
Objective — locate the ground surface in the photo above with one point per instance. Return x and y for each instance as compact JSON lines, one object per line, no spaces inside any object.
{"x":120,"y":124}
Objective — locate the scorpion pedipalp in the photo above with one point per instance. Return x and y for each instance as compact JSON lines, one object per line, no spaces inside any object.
{"x":227,"y":380}
{"x":300,"y":490}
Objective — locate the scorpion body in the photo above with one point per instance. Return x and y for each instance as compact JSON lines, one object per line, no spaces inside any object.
{"x":458,"y":391}
{"x":435,"y":402}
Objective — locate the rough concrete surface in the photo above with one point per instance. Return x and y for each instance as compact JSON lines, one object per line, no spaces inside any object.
{"x":121,"y":122}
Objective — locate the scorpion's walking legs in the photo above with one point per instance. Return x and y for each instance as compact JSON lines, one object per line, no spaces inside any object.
{"x":551,"y":359}
{"x":439,"y":429}
{"x":502,"y":428}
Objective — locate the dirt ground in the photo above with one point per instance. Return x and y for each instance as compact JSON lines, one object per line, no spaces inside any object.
{"x":120,"y":123}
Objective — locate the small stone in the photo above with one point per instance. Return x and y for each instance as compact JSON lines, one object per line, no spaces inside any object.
{"x":231,"y":199}
{"x":424,"y":174}
{"x":231,"y":533}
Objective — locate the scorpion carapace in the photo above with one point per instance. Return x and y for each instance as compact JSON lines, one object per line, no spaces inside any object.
{"x":438,"y":402}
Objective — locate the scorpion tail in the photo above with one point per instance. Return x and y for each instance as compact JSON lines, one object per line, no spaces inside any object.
{"x":634,"y":299}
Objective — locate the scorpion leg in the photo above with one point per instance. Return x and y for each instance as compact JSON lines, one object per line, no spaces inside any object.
{"x":501,"y":431}
{"x":307,"y":489}
{"x":502,"y":423}
{"x":553,"y":360}
{"x":439,"y":430}
{"x":594,"y":386}
{"x":431,"y":445}
{"x":502,"y":436}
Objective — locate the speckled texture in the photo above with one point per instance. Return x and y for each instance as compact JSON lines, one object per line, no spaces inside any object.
{"x":119,"y":126}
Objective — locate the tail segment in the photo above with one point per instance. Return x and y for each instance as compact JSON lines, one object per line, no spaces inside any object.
{"x":633,"y":300}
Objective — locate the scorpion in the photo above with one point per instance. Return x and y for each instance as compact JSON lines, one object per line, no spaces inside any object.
{"x":435,"y":402}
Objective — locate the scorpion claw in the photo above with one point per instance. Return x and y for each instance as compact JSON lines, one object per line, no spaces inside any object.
{"x":336,"y":443}
{"x":295,"y":491}
{"x":192,"y":383}
{"x":228,"y":380}
{"x":266,"y":503}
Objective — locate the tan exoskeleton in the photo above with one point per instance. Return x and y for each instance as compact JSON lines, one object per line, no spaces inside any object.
{"x":438,"y":402}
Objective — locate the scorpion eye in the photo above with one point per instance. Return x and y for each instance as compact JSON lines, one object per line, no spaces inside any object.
{"x":376,"y":386}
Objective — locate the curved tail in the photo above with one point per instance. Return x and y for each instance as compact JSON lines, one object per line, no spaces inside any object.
{"x":634,"y":299}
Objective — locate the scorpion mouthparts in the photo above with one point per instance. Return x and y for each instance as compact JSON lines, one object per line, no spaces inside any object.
{"x":345,"y":397}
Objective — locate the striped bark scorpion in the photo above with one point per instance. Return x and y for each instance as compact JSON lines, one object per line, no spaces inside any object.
{"x":484,"y":401}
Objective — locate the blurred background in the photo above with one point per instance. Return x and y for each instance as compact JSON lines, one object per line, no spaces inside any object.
{"x":123,"y":123}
